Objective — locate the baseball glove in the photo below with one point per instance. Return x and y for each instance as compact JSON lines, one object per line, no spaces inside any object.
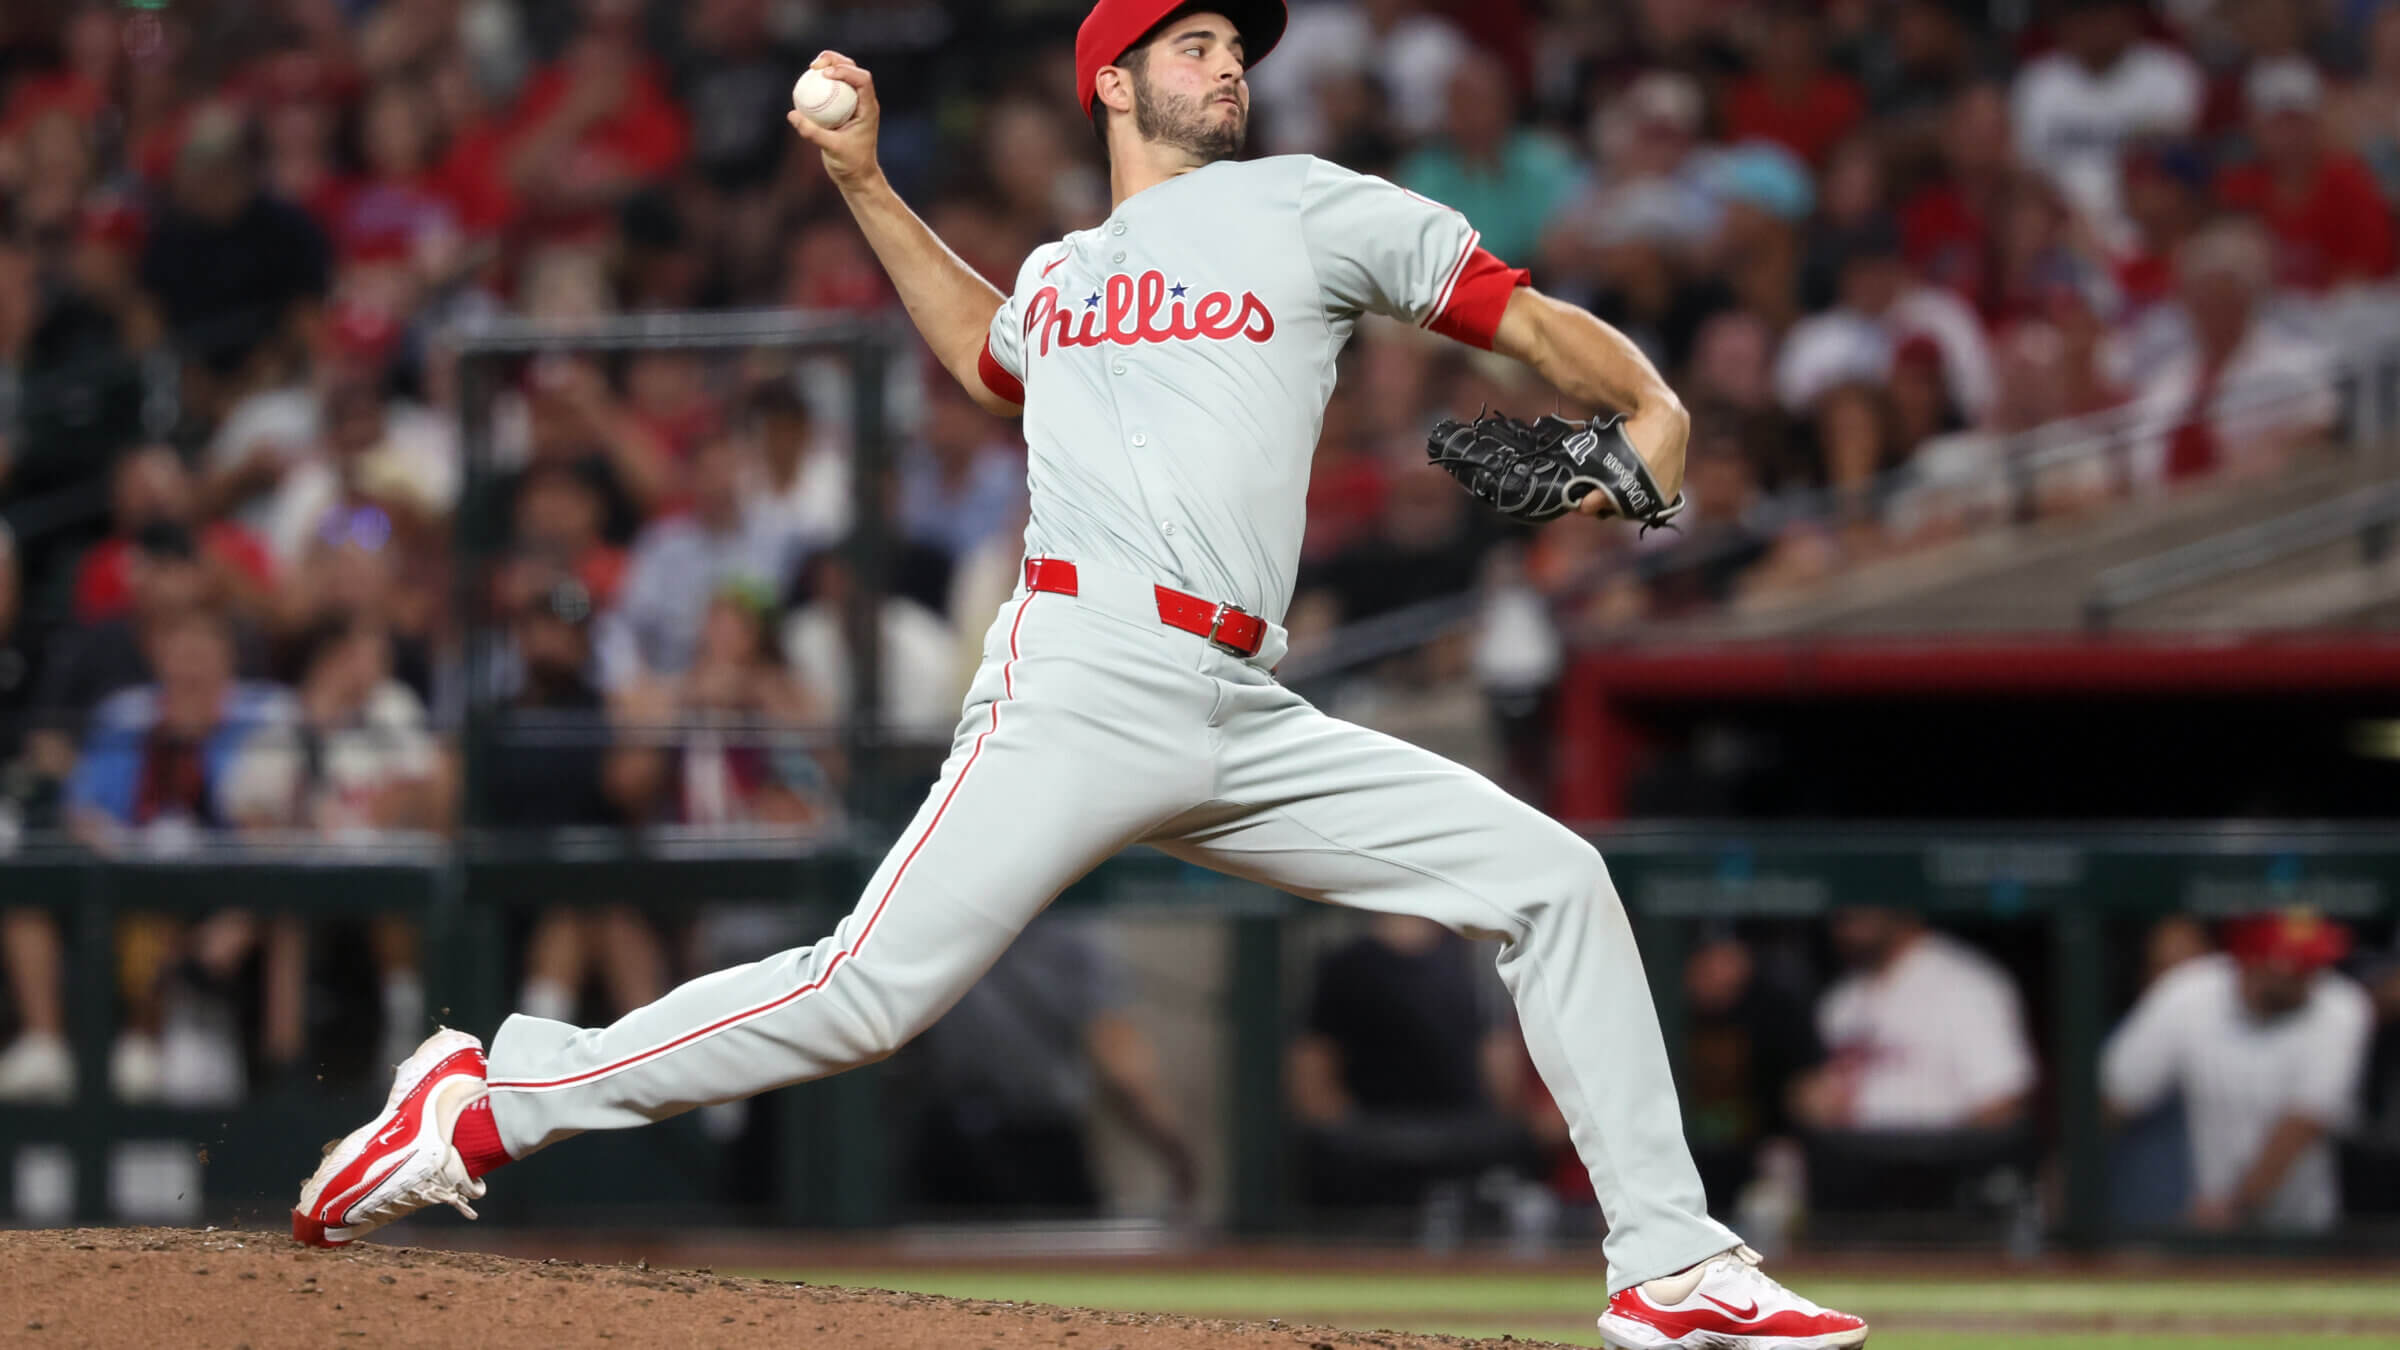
{"x":1536,"y":471}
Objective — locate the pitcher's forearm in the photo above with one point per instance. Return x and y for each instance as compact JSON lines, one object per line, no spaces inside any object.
{"x":949,"y":303}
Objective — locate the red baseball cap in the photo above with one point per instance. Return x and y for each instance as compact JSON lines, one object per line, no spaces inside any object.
{"x":2300,"y":938}
{"x":1114,"y":26}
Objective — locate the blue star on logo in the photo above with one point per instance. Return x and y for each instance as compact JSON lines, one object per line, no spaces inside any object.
{"x":1177,"y":290}
{"x":1092,"y":301}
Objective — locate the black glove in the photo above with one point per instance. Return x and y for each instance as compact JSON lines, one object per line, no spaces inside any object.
{"x":1537,"y":471}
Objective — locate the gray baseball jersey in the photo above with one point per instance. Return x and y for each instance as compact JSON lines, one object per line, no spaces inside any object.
{"x":1174,"y":360}
{"x":1173,"y":365}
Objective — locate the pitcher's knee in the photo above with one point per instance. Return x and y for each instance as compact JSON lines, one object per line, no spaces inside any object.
{"x":1570,"y":878}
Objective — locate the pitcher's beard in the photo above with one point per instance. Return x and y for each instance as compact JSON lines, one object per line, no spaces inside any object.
{"x":1187,"y":124}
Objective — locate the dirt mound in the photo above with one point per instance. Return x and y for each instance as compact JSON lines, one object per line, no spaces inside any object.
{"x":220,"y":1289}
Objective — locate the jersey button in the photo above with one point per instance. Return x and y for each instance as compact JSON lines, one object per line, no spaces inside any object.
{"x":1140,"y":439}
{"x":1118,"y":228}
{"x":1118,"y":256}
{"x":1116,"y":367}
{"x":1166,"y":527}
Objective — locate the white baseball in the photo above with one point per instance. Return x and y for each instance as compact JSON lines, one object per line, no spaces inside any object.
{"x":823,"y":99}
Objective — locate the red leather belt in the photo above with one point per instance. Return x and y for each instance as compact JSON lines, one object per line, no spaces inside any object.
{"x":1226,"y":626}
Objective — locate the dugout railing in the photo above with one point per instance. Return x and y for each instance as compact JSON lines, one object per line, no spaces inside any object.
{"x":2075,"y":886}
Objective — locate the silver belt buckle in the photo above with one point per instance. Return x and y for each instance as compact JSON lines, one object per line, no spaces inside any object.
{"x":1217,"y":621}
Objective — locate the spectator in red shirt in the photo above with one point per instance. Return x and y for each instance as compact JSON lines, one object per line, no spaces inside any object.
{"x":1791,"y":98}
{"x":82,"y":85}
{"x":1946,"y":226}
{"x":395,"y":209}
{"x":152,"y":485}
{"x":298,"y":101}
{"x":473,"y":140}
{"x":2320,"y":203}
{"x":590,"y":129}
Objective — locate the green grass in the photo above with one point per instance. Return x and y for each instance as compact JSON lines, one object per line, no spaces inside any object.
{"x":2171,"y":1315}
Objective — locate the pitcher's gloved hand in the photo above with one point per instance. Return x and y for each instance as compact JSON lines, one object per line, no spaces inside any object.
{"x":1539,"y":470}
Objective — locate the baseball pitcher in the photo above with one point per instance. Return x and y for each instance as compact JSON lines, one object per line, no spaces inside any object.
{"x":1172,"y":365}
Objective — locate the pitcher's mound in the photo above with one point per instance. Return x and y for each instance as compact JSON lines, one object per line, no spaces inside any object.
{"x":220,"y":1289}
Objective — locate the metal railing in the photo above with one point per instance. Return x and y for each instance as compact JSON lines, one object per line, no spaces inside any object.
{"x":2367,"y":515}
{"x":2071,"y":882}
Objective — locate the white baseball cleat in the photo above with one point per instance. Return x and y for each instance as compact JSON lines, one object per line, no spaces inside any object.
{"x":1724,"y":1303}
{"x":402,"y":1160}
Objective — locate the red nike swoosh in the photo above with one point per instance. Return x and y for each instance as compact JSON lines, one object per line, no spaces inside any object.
{"x":1744,"y":1313}
{"x":1053,"y":263}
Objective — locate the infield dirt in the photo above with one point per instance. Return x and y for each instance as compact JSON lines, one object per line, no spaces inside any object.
{"x":221,"y":1289}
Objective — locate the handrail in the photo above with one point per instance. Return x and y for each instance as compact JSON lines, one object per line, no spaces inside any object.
{"x":2367,"y":514}
{"x":1366,"y":641}
{"x":2021,"y":455}
{"x":511,"y":334}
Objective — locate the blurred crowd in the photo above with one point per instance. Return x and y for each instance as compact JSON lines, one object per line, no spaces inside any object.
{"x":1874,"y":1069}
{"x":1882,"y":246}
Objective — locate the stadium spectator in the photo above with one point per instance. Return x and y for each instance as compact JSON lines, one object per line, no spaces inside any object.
{"x":1791,"y":97}
{"x":732,"y":763}
{"x":2241,"y":394}
{"x":1933,"y":57}
{"x":1404,"y":1073}
{"x":2075,"y":109}
{"x":1045,"y":186}
{"x":1721,"y":541}
{"x":1008,"y":1081}
{"x":2331,"y":226}
{"x":962,"y":479}
{"x":916,"y":688}
{"x":151,"y":486}
{"x":798,"y":468}
{"x":1651,"y":184}
{"x":230,"y":266}
{"x":667,"y":397}
{"x":584,"y":778}
{"x":356,"y":761}
{"x":1400,"y":44}
{"x":152,"y":780}
{"x":589,"y":129}
{"x":734,"y":75}
{"x":1947,"y":223}
{"x":1504,"y":178}
{"x":2365,"y":115}
{"x":1749,"y":1038}
{"x":151,"y":775}
{"x":2167,"y":190}
{"x":2149,"y":1159}
{"x":1924,"y":1033}
{"x":360,"y":483}
{"x":1923,"y":1100}
{"x":2266,"y":1047}
{"x":1879,"y":305}
{"x":37,"y":1064}
{"x":168,"y":583}
{"x":396,"y":212}
{"x":680,"y":562}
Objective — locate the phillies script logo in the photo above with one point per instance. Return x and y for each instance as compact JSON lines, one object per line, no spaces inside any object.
{"x":1145,"y":309}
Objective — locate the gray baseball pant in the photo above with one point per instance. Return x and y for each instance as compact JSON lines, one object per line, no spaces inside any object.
{"x":1091,"y":726}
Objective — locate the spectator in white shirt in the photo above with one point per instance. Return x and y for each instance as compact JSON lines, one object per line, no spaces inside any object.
{"x":1882,"y":304}
{"x":1414,"y":54}
{"x":2077,"y":108}
{"x":2240,"y":393}
{"x":1924,"y":1034}
{"x":801,"y":469}
{"x":2266,"y":1047}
